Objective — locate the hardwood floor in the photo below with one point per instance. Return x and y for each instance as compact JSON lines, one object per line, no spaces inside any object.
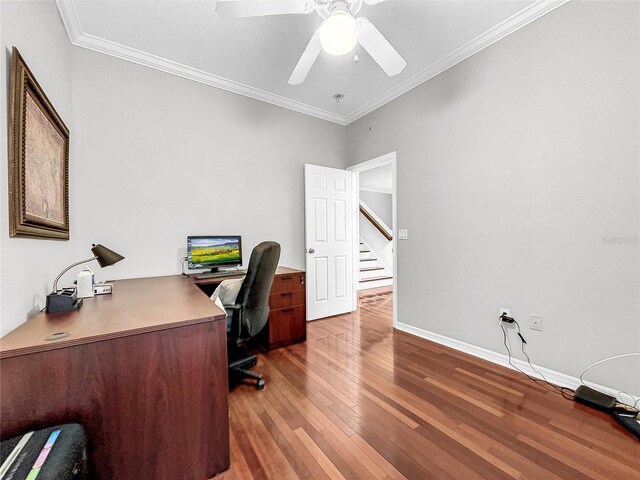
{"x":361,"y":401}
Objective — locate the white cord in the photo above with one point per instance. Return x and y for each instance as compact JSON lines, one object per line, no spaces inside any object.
{"x":620,"y":393}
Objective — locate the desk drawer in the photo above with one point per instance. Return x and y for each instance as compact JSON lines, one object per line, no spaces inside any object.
{"x":287,"y":325}
{"x":286,"y":299}
{"x":288,"y":282}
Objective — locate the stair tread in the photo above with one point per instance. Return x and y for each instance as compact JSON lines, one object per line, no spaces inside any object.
{"x":368,"y":269}
{"x":368,"y":259}
{"x":365,"y":251}
{"x":373,"y":279}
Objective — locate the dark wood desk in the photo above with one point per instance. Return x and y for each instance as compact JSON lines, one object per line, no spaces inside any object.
{"x":144,"y":370}
{"x":287,"y":306}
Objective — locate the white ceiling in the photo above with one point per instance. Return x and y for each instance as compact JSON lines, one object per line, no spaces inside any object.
{"x":255,"y":56}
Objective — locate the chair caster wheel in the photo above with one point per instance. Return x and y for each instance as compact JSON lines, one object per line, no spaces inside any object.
{"x":260,"y":384}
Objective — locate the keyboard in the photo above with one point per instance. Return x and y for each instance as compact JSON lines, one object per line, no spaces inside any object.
{"x":226,"y":273}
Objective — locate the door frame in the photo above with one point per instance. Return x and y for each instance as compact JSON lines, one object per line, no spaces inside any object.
{"x":388,"y":158}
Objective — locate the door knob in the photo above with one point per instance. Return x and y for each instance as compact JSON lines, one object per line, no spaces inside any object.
{"x":311,"y":250}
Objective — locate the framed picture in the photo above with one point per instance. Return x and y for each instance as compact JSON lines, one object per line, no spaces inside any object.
{"x":38,"y":160}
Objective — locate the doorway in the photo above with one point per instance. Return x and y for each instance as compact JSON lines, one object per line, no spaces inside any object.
{"x":375,"y":229}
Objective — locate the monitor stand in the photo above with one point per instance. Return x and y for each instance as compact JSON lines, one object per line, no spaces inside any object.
{"x":214,"y":270}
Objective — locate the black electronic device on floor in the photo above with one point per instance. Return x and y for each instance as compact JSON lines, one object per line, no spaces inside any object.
{"x":630,"y":421}
{"x":55,"y":453}
{"x":628,"y":416}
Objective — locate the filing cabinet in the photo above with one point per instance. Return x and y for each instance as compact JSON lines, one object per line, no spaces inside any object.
{"x":287,"y":304}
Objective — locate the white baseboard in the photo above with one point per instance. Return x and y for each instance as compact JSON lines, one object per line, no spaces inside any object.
{"x":557,"y":378}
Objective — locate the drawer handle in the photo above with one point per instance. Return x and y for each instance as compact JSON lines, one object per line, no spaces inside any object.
{"x":286,"y":310}
{"x":286,"y":278}
{"x":287,"y":294}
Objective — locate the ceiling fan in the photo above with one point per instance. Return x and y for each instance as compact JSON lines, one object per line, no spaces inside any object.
{"x":337,"y":35}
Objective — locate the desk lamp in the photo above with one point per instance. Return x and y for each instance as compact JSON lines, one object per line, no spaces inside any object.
{"x":67,"y":299}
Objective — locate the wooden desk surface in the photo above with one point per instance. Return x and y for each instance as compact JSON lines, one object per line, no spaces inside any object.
{"x":135,"y":306}
{"x":231,"y":275}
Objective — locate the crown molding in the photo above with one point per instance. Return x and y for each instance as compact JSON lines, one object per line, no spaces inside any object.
{"x":70,"y":19}
{"x":158,"y":63}
{"x":78,"y":38}
{"x":507,"y":27}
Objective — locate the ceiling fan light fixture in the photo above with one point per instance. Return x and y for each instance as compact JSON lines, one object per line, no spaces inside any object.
{"x":339,"y":33}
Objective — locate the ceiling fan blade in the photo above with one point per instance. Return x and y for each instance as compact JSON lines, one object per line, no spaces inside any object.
{"x":373,"y":2}
{"x":379,"y":48}
{"x":259,"y":8}
{"x":307,"y":60}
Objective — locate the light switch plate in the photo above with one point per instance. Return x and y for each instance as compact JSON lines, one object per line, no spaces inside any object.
{"x":403,"y":234}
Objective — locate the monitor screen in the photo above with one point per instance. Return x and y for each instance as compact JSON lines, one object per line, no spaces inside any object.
{"x":214,"y":251}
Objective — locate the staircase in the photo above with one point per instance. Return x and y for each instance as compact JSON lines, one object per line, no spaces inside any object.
{"x":372,"y":272}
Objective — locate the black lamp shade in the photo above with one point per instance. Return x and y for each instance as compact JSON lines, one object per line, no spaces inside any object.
{"x":104,"y":256}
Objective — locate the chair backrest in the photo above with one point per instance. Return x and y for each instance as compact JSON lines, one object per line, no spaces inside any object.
{"x":255,"y":289}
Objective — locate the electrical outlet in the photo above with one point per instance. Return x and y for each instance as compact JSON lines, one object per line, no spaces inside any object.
{"x":403,"y":234}
{"x":536,"y":322}
{"x":506,"y":311}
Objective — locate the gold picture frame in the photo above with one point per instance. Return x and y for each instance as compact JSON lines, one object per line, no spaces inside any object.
{"x":38,"y":160}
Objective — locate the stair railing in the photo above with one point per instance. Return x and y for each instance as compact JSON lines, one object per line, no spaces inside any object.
{"x":375,"y":221}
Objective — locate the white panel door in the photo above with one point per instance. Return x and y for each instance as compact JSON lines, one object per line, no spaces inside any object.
{"x":329,"y":241}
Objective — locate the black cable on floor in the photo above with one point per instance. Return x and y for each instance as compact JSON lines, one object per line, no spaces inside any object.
{"x":566,"y":393}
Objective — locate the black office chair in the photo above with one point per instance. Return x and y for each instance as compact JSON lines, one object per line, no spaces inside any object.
{"x":250,"y":313}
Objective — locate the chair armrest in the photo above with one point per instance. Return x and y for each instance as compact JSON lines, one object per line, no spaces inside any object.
{"x":236,"y":320}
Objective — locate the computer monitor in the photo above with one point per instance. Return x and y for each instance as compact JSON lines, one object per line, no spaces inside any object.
{"x":214,"y":251}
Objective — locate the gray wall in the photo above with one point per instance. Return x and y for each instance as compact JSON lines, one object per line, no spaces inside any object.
{"x":160,"y":158}
{"x":518,"y":179}
{"x":27,"y":266}
{"x":380,"y":203}
{"x":154,"y":158}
